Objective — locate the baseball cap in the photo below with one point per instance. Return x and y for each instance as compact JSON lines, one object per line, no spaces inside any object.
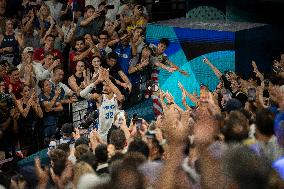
{"x":67,"y":128}
{"x":28,"y":50}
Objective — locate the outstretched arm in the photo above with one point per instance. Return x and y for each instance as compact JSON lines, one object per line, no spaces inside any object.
{"x":217,"y":72}
{"x":172,"y":65}
{"x":193,"y":98}
{"x":256,"y":71}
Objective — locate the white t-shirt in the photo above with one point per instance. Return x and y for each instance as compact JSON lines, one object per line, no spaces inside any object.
{"x":107,"y":49}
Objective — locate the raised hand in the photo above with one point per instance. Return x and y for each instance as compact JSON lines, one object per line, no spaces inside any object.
{"x":42,"y":174}
{"x":255,"y":69}
{"x":169,"y":97}
{"x":205,"y":60}
{"x":103,"y":75}
{"x":55,"y":63}
{"x":175,"y":125}
{"x":276,"y":94}
{"x":8,"y":49}
{"x":10,"y":89}
{"x":171,"y":69}
{"x":57,"y":92}
{"x":76,"y":134}
{"x":31,"y":102}
{"x":181,"y":86}
{"x":96,"y":14}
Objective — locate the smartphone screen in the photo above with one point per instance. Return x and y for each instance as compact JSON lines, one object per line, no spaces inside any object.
{"x":139,"y":123}
{"x":251,"y":94}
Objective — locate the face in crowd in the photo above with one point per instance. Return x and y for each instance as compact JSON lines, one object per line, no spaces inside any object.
{"x":46,"y":87}
{"x":138,"y":10}
{"x":161,"y":48}
{"x":3,"y":5}
{"x":103,"y":39}
{"x":48,"y":60}
{"x":138,"y":32}
{"x":25,"y":91}
{"x":125,"y":41}
{"x":89,"y":13}
{"x":44,"y":10}
{"x":9,"y":25}
{"x":28,"y":57}
{"x":96,"y":63}
{"x":111,"y":62}
{"x":88,"y":39}
{"x":106,"y":89}
{"x":58,"y":75}
{"x":80,"y":67}
{"x":49,"y":42}
{"x":146,"y":52}
{"x":15,"y":76}
{"x":80,"y":46}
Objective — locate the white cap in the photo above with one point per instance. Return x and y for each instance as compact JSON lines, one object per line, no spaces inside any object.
{"x":28,"y":49}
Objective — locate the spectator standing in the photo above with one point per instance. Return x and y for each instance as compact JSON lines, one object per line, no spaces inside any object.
{"x":30,"y":110}
{"x":10,"y":44}
{"x":52,"y":106}
{"x":80,"y":79}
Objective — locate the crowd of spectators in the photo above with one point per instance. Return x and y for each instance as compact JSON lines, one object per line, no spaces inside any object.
{"x":56,"y":54}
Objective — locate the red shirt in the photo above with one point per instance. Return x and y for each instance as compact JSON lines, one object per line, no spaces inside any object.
{"x":39,"y":54}
{"x":16,"y":87}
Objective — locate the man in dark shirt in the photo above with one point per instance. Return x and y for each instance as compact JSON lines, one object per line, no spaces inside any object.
{"x":117,"y":76}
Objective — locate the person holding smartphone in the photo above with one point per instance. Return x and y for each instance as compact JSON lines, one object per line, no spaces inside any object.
{"x":93,"y":20}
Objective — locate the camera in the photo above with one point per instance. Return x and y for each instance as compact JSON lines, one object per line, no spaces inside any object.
{"x":150,"y":134}
{"x":109,"y":7}
{"x":266,"y":83}
{"x":140,"y":8}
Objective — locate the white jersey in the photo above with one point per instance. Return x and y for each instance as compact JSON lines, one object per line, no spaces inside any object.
{"x":107,"y":111}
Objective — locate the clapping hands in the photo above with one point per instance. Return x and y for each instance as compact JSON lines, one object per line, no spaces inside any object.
{"x":103,"y":75}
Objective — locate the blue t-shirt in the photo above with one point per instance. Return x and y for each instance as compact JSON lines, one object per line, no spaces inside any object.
{"x":124,"y":54}
{"x":278,"y":165}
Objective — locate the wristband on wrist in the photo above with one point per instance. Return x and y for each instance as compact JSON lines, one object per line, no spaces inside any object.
{"x":163,"y":142}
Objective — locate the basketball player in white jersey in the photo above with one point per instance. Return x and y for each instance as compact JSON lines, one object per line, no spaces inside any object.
{"x":107,"y":102}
